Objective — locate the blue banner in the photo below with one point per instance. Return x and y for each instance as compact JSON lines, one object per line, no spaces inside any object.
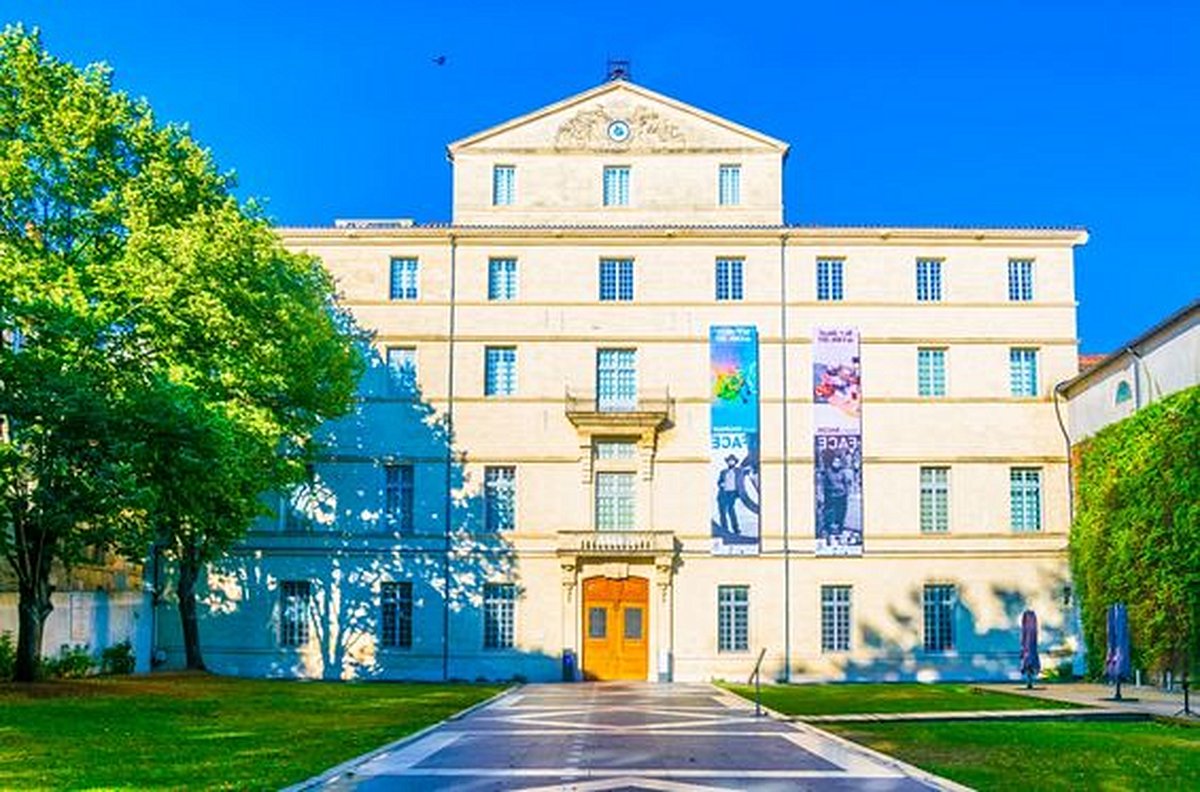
{"x":734,"y":457}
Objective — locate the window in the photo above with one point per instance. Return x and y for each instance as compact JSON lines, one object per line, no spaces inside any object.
{"x":502,"y":279}
{"x":610,"y":450}
{"x":398,"y":497}
{"x":404,"y":279}
{"x":935,"y":499}
{"x":931,"y":371}
{"x":729,"y":185}
{"x":616,"y":185}
{"x":498,"y":604}
{"x":1020,"y":280}
{"x":402,"y":365}
{"x":295,"y":605}
{"x":1025,"y":498}
{"x":729,"y":279}
{"x":1124,"y":392}
{"x":396,"y":604}
{"x":615,"y":501}
{"x":616,"y":279}
{"x":939,"y":617}
{"x":500,"y":498}
{"x":500,"y":371}
{"x":929,"y":280}
{"x":504,"y":185}
{"x":829,"y":279}
{"x":597,"y":622}
{"x":616,"y":380}
{"x":733,"y":618}
{"x":835,"y":618}
{"x":1022,"y":371}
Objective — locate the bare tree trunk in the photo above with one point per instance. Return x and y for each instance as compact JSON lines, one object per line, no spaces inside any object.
{"x":33,"y":608}
{"x":189,"y":572}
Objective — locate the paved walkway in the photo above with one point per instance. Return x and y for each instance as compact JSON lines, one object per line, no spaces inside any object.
{"x":1149,"y":700}
{"x":636,"y":736}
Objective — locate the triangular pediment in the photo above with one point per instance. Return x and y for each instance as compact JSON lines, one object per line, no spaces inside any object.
{"x":645,"y":121}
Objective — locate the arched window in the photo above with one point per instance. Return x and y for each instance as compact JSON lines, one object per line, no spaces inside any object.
{"x":1124,"y":392}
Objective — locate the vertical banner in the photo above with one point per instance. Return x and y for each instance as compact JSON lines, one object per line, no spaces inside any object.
{"x":837,"y":442}
{"x":734,"y":456}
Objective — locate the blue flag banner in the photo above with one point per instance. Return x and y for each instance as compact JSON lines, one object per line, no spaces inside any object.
{"x":734,"y":456}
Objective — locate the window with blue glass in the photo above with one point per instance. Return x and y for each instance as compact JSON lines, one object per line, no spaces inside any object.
{"x":1020,"y":280}
{"x":729,"y":279}
{"x":398,"y":497}
{"x":616,"y":279}
{"x":504,"y":185}
{"x":729,"y":185}
{"x":1022,"y":371}
{"x":929,"y":280}
{"x":829,"y":279}
{"x":931,"y":371}
{"x":616,"y":185}
{"x":500,"y":498}
{"x":616,"y":379}
{"x":500,"y":371}
{"x":502,"y":279}
{"x":1025,"y":499}
{"x":404,"y":280}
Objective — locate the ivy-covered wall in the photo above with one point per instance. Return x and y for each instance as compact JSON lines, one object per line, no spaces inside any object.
{"x":1136,"y":535}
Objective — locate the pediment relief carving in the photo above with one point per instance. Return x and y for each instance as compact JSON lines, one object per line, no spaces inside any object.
{"x":648,"y":131}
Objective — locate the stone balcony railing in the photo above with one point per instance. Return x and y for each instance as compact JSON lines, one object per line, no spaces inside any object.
{"x":616,"y":544}
{"x":650,"y":410}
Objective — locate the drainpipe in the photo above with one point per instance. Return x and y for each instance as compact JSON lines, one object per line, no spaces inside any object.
{"x":787,"y":553}
{"x":1137,"y":378}
{"x":449,"y":503}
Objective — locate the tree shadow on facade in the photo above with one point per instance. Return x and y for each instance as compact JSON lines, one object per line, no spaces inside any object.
{"x":986,"y":629}
{"x":363,"y":568}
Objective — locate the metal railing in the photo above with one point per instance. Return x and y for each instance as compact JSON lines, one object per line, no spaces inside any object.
{"x":756,"y":680}
{"x":645,"y":543}
{"x":586,"y":402}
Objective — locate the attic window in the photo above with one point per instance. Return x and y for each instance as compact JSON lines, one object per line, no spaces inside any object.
{"x":1124,"y":392}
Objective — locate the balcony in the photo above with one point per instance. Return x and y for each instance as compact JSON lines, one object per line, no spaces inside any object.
{"x":649,"y":410}
{"x":616,"y":544}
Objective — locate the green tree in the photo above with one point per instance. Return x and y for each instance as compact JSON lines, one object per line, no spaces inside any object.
{"x":164,"y":359}
{"x":1136,"y":536}
{"x":257,"y":357}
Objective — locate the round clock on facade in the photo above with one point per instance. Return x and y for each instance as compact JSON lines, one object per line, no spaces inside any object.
{"x":618,"y":131}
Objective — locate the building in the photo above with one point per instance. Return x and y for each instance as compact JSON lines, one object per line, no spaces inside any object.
{"x":615,"y":422}
{"x":1163,"y":360}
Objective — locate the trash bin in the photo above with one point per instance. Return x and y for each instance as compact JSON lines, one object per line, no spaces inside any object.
{"x":568,"y":662}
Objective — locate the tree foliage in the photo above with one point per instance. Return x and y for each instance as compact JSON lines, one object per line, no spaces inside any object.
{"x":164,"y":359}
{"x":1136,"y":536}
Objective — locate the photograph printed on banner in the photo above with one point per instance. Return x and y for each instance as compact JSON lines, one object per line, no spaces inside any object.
{"x":735,"y":478}
{"x":837,"y":462}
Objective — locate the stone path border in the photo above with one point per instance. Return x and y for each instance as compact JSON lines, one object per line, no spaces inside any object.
{"x":975,"y":715}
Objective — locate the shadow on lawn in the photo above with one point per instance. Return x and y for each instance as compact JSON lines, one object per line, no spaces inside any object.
{"x":362,"y":568}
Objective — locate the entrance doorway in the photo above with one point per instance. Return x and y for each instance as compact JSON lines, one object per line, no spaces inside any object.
{"x":616,"y":617}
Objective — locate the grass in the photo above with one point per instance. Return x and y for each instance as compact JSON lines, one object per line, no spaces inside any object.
{"x":847,"y":699}
{"x":199,"y":731}
{"x":1043,"y":755}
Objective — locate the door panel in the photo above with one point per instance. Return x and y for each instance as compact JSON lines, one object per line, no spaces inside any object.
{"x":616,"y":615}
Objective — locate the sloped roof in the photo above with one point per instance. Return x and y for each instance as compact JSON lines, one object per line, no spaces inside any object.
{"x":612,"y":87}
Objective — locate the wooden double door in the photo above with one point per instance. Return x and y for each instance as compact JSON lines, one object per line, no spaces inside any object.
{"x":616,"y":621}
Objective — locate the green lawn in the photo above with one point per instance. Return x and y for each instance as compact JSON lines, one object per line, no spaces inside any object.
{"x":887,"y":697}
{"x":1043,"y":755}
{"x":197,"y":731}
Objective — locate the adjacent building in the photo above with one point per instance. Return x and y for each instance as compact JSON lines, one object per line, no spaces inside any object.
{"x":623,"y":419}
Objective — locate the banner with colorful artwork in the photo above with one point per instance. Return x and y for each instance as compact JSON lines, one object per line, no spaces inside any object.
{"x":837,"y":442}
{"x":734,"y":456}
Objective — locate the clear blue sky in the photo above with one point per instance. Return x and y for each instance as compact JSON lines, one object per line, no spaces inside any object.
{"x":930,"y":113}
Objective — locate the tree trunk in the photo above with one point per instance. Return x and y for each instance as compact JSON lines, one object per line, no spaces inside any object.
{"x":32,"y":609}
{"x":189,"y":572}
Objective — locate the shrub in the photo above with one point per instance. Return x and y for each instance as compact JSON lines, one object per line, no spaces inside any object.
{"x":8,"y":656}
{"x":73,"y":662}
{"x":117,"y":659}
